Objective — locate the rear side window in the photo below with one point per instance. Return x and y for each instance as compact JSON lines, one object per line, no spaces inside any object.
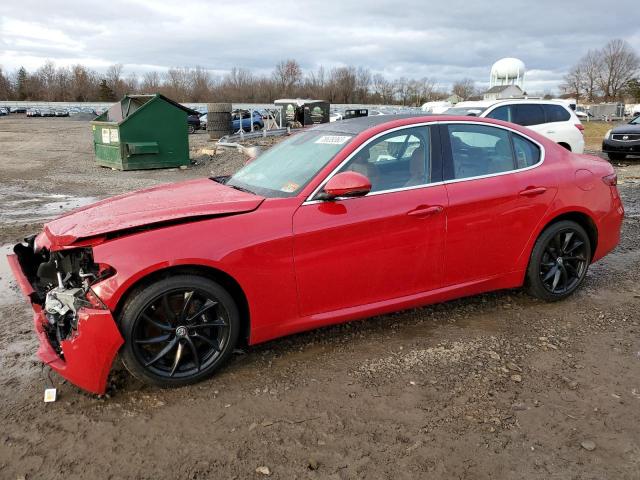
{"x":526,"y":152}
{"x":556,"y":113}
{"x":502,"y":113}
{"x":528,"y":114}
{"x":478,"y":150}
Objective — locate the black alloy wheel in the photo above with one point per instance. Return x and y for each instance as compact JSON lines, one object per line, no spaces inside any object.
{"x":559,"y":261}
{"x":179,"y":330}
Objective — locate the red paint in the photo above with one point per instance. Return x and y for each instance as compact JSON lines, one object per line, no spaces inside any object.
{"x":88,"y":354}
{"x":303,"y":265}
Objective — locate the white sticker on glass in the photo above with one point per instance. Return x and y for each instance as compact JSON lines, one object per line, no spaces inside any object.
{"x":105,"y":136}
{"x":333,"y":139}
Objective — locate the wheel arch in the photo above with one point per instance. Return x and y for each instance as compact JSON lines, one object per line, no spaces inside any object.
{"x":217,"y":275}
{"x":581,"y":218}
{"x":565,"y":145}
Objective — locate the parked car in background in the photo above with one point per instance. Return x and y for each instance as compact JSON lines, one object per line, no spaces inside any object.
{"x":61,"y":112}
{"x":582,"y":113}
{"x":4,"y":111}
{"x":203,"y":121}
{"x":623,"y":140}
{"x":193,"y":122}
{"x":335,"y":115}
{"x":18,"y":110}
{"x":553,"y":119}
{"x":335,"y":223}
{"x":32,"y":112}
{"x":246,"y":118}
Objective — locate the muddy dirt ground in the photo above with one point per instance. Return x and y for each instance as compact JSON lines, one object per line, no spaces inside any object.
{"x":497,"y":386}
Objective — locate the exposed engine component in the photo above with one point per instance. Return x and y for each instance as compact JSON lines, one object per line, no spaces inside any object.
{"x":61,"y":280}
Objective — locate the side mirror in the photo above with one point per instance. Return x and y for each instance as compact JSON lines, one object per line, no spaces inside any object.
{"x":345,"y":184}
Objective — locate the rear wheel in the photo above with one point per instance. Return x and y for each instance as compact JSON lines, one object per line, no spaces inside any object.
{"x":178,"y":330}
{"x":559,"y":261}
{"x":192,"y":129}
{"x":616,"y":156}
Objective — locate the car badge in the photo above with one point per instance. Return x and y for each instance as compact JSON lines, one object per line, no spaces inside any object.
{"x":625,"y":137}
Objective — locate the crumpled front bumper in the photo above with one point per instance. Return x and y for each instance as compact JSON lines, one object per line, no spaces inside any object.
{"x":88,"y":353}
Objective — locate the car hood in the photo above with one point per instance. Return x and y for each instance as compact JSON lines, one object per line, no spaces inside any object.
{"x":628,"y":128}
{"x":163,"y":204}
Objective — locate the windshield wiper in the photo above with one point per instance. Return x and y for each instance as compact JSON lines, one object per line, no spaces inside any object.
{"x":242,"y":189}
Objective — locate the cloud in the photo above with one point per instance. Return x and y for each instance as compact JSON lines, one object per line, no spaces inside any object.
{"x":445,"y":41}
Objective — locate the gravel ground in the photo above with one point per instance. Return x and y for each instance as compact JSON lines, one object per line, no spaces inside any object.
{"x":496,"y":386}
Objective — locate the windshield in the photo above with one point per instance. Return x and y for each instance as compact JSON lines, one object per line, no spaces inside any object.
{"x":284,"y":169}
{"x":635,"y":121}
{"x":474,"y":111}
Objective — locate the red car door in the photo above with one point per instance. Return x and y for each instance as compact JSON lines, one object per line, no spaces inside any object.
{"x":498,"y":193}
{"x":384,"y":245}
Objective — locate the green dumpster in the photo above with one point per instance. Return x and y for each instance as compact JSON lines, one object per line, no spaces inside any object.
{"x":142,"y":131}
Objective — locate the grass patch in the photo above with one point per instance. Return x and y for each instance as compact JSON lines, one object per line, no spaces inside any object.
{"x":594,"y":133}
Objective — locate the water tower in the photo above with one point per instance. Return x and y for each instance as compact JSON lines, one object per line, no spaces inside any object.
{"x":507,"y":71}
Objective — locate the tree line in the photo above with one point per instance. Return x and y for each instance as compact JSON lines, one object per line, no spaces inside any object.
{"x":337,"y":85}
{"x":608,"y":74}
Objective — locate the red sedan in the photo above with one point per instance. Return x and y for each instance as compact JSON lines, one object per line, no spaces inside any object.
{"x":342,"y":221}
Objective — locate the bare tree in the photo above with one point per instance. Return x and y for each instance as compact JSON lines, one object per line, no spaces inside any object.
{"x":150,"y":82}
{"x":200,"y":85}
{"x":619,"y":65}
{"x":83,"y":84}
{"x":464,"y":88}
{"x":383,"y":88}
{"x":113,"y":77}
{"x":287,"y":75}
{"x":591,"y":67}
{"x":343,"y":82}
{"x":6,"y":91}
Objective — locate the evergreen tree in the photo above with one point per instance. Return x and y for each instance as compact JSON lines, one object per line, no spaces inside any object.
{"x":22,"y":84}
{"x":104,"y":92}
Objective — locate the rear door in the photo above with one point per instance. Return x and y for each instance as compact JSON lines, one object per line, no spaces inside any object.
{"x":498,"y":193}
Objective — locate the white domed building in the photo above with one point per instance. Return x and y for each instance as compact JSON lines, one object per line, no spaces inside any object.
{"x":506,"y":80}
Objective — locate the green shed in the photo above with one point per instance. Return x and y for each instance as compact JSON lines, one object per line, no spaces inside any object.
{"x":142,"y":131}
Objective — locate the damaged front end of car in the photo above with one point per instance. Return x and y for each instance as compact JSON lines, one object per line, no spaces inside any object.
{"x":78,"y":335}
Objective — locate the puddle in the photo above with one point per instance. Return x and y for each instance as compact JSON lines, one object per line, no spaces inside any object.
{"x":23,"y":206}
{"x":9,"y":291}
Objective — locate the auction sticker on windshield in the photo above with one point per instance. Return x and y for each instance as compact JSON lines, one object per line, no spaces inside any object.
{"x":332,"y":139}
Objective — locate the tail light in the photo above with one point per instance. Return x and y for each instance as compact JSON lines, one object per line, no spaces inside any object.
{"x":611,"y":180}
{"x":580,"y":127}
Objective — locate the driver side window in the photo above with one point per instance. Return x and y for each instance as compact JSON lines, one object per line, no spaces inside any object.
{"x":396,"y":160}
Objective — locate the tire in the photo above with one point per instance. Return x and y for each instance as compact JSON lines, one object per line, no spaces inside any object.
{"x":219,"y":126}
{"x":219,"y":107}
{"x":551,"y":279}
{"x":192,"y":129}
{"x":616,"y":156}
{"x":168,"y":345}
{"x":257,"y":126}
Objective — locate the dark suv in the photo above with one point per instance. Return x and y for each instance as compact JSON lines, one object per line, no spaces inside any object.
{"x":623,"y":140}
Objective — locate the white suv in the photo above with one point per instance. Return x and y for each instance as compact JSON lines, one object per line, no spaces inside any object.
{"x":553,"y":119}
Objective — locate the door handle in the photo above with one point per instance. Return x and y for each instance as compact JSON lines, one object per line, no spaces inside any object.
{"x":425,"y":211}
{"x":551,"y":131}
{"x":530,"y":192}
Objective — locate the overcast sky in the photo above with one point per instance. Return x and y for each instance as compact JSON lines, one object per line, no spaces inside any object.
{"x":443,"y":40}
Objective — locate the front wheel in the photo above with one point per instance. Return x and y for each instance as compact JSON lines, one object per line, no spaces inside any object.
{"x":192,"y":129}
{"x":178,"y":330}
{"x":559,"y":261}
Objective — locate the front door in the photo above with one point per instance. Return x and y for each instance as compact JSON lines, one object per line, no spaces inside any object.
{"x":385,"y":245}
